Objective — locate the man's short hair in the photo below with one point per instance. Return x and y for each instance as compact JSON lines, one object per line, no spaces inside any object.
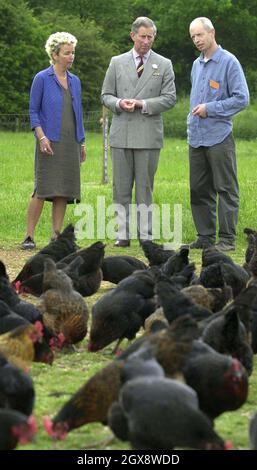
{"x":145,"y":22}
{"x":207,"y":24}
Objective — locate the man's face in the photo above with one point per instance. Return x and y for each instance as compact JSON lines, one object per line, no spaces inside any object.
{"x":143,"y":40}
{"x":202,"y":38}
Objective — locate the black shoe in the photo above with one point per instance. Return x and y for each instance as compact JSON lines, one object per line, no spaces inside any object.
{"x":200,"y":244}
{"x":28,"y":244}
{"x":225,"y":246}
{"x":122,"y":243}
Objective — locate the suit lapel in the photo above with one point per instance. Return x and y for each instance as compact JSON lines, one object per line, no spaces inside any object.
{"x":146,"y":75}
{"x":131,"y":70}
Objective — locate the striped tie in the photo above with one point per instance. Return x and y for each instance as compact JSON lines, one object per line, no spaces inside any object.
{"x":140,"y":67}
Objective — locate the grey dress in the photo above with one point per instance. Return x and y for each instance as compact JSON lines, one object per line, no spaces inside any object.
{"x":59,"y":175}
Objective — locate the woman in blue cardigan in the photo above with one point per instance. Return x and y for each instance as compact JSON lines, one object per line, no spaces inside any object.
{"x":56,"y":118}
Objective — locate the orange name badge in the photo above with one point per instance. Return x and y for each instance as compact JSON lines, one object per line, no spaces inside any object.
{"x":214,"y":84}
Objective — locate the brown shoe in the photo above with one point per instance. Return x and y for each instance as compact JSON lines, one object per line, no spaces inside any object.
{"x":122,"y":243}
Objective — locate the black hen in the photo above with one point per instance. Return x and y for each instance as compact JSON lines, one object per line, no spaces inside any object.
{"x":15,"y":428}
{"x":251,"y":239}
{"x":9,"y":320}
{"x":116,"y":268}
{"x":221,"y":274}
{"x":176,"y":262}
{"x":121,"y":312}
{"x":159,"y":414}
{"x":56,"y":250}
{"x":175,"y":303}
{"x":16,"y":388}
{"x":227,"y":335}
{"x":156,"y":254}
{"x":220,"y":381}
{"x":212,"y":255}
{"x":86,"y":275}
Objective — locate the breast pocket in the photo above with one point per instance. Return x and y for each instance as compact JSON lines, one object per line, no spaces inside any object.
{"x":213,"y":89}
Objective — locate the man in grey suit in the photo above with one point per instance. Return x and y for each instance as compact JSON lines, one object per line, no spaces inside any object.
{"x":138,"y":87}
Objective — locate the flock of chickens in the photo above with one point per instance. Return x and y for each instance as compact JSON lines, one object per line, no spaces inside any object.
{"x":190,"y":365}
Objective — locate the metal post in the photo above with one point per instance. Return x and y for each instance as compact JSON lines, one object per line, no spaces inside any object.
{"x":105,"y":121}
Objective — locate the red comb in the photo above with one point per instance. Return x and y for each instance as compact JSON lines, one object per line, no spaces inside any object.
{"x":228,"y":445}
{"x":17,"y":286}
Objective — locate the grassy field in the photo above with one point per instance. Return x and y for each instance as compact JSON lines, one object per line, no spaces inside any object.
{"x":171,"y":186}
{"x":55,"y":384}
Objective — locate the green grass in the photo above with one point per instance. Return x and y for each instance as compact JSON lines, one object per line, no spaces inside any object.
{"x":55,"y":384}
{"x":171,"y":186}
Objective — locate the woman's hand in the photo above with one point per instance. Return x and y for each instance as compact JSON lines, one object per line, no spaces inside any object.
{"x":45,"y":146}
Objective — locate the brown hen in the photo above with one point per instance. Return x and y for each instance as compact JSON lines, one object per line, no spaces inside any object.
{"x":92,"y":401}
{"x":64,"y":310}
{"x":18,"y":345}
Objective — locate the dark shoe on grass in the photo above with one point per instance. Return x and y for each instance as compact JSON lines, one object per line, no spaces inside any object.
{"x":28,"y":244}
{"x":200,"y":244}
{"x":225,"y":246}
{"x":122,"y":243}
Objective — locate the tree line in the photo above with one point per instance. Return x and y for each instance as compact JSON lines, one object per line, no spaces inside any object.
{"x":102,"y":29}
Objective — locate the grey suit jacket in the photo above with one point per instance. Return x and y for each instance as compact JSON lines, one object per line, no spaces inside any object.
{"x":155,"y":86}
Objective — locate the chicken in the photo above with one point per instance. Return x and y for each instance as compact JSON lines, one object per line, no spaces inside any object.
{"x":16,"y":388}
{"x":184,"y":277}
{"x":56,"y":250}
{"x":141,"y":363}
{"x":155,"y":322}
{"x":213,"y":299}
{"x":64,"y":310}
{"x":176,"y":303}
{"x":156,"y":254}
{"x":212,"y":255}
{"x":21,"y":307}
{"x":116,"y":268}
{"x":92,"y":256}
{"x":9,"y":319}
{"x":89,"y":404}
{"x":221,"y":274}
{"x":15,"y":428}
{"x":86,"y":275}
{"x":251,"y":238}
{"x":219,"y":378}
{"x":253,"y":261}
{"x":176,"y":262}
{"x":244,"y":303}
{"x":227,"y":335}
{"x":159,"y":414}
{"x":92,"y":401}
{"x":122,"y":311}
{"x":18,"y":345}
{"x":220,"y":381}
{"x":85,"y":284}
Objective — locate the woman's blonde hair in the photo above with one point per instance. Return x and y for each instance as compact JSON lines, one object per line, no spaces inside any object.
{"x":55,"y":41}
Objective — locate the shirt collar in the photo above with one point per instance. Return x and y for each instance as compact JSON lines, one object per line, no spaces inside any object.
{"x":136,"y":55}
{"x":215,"y":56}
{"x":51,"y":71}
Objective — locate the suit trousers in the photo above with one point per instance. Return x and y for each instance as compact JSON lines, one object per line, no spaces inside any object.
{"x":134,"y":166}
{"x":213,"y":182}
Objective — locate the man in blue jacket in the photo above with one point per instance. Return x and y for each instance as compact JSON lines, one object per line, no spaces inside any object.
{"x":219,"y":91}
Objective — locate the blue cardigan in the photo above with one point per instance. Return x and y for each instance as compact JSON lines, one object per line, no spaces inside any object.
{"x":45,"y":106}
